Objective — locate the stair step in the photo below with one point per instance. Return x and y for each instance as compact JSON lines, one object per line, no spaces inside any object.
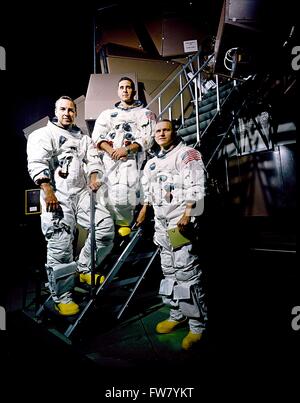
{"x":203,"y":117}
{"x":211,"y":102}
{"x":192,"y":129}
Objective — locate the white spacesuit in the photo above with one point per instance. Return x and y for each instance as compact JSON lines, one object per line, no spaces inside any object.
{"x":66,"y":158}
{"x":171,"y":180}
{"x":121,"y":127}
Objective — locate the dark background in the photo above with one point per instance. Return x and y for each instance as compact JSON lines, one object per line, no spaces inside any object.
{"x":49,"y":52}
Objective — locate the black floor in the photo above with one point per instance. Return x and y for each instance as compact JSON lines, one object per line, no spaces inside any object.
{"x":252,"y":283}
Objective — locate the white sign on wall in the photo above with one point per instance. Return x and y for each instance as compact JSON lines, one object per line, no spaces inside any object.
{"x":190,"y":46}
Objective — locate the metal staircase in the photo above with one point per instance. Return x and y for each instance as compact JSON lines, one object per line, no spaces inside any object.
{"x":124,"y":271}
{"x":220,"y":118}
{"x":200,"y":105}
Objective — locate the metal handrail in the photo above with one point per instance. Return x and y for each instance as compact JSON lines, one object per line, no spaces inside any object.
{"x":194,"y":76}
{"x":174,"y":78}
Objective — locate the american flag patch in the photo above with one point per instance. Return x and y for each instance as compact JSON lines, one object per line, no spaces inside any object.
{"x":191,"y":155}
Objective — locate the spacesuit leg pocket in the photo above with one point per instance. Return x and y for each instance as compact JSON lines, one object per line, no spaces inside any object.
{"x":166,"y":291}
{"x":166,"y":286}
{"x":190,"y":306}
{"x":62,"y":277}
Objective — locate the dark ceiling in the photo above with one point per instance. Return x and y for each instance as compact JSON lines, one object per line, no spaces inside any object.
{"x":205,"y":13}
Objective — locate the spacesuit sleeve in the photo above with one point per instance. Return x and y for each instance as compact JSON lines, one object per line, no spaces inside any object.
{"x":192,"y":173}
{"x":94,"y":163}
{"x":145,"y":135}
{"x":40,"y":150}
{"x":102,"y":127}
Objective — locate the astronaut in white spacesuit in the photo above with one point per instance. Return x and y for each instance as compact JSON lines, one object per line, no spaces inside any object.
{"x":123,"y":134}
{"x":173,"y":183}
{"x":65,"y":164}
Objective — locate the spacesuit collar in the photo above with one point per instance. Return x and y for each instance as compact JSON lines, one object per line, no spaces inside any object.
{"x":135,"y":104}
{"x":73,"y":129}
{"x":163,"y":153}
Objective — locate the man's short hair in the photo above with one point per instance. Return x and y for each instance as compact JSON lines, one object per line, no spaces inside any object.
{"x":169,"y":121}
{"x":68,"y":98}
{"x":127,"y":79}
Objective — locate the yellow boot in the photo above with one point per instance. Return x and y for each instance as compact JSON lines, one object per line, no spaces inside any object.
{"x":167,"y":326}
{"x":87,"y":278}
{"x":190,"y":340}
{"x":124,"y":231}
{"x":67,"y":309}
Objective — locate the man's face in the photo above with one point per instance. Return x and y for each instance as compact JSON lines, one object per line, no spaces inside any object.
{"x":164,"y":135}
{"x":125,"y":91}
{"x":65,"y":112}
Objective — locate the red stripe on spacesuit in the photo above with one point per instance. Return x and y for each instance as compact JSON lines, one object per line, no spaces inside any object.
{"x":191,"y":155}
